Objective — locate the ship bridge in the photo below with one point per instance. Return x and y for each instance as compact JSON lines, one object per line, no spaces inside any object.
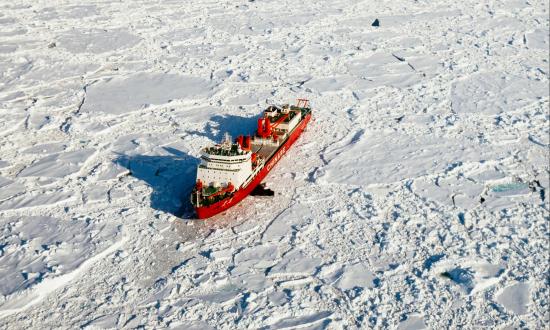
{"x":225,"y":163}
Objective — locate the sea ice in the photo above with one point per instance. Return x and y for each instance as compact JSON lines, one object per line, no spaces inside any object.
{"x":123,"y":95}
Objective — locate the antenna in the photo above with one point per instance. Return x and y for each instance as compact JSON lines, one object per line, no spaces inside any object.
{"x":227,"y":142}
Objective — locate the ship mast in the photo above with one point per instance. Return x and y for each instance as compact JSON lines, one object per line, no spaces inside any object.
{"x":227,"y":142}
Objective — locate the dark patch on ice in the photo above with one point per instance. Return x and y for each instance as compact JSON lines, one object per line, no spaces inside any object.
{"x":498,"y":308}
{"x":159,"y":283}
{"x":171,"y":177}
{"x":461,"y":276}
{"x":409,"y":280}
{"x":133,"y":316}
{"x":317,"y":289}
{"x":417,"y":272}
{"x":357,"y":136}
{"x":207,"y":254}
{"x":409,"y":184}
{"x":311,"y":177}
{"x":453,"y":166}
{"x":243,"y":303}
{"x":181,"y":264}
{"x":395,"y":215}
{"x":372,"y":321}
{"x":380,"y":240}
{"x":432,"y":260}
{"x":261,"y":190}
{"x":376,"y":23}
{"x":66,"y":125}
{"x":461,"y":217}
{"x":482,"y":200}
{"x":288,"y":293}
{"x":241,"y":306}
{"x":354,"y":292}
{"x":399,"y":58}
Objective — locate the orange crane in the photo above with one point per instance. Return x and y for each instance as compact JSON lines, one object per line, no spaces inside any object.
{"x":265,"y":128}
{"x":280,"y":120}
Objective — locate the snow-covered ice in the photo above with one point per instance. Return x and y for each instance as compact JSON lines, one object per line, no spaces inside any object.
{"x":417,"y":198}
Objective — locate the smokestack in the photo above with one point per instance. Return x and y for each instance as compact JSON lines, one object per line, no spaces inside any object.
{"x":260,"y":126}
{"x":267,"y":131}
{"x":247,"y":142}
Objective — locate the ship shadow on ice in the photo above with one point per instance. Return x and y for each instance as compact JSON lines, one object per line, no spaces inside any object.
{"x":171,"y":178}
{"x":218,"y":125}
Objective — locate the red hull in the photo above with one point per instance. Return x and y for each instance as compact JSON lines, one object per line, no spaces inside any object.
{"x":211,"y":210}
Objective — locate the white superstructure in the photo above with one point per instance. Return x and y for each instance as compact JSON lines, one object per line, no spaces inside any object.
{"x":228,"y":166}
{"x":224,"y":164}
{"x":285,"y":127}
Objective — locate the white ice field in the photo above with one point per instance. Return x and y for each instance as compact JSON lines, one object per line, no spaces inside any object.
{"x":417,"y":197}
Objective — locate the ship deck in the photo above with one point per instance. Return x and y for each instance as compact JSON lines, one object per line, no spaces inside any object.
{"x":265,"y":151}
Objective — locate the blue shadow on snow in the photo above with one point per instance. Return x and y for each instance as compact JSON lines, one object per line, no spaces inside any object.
{"x":218,"y":125}
{"x":171,"y":177}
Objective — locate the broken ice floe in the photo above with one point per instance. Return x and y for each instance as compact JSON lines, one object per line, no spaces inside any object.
{"x":470,"y":276}
{"x":515,"y":298}
{"x":122,"y":95}
{"x":9,"y":188}
{"x":412,"y":322}
{"x":38,"y":247}
{"x":295,"y":262}
{"x":493,"y":92}
{"x":46,"y":148}
{"x":58,"y":165}
{"x":391,"y":157}
{"x":356,"y":276}
{"x":35,"y":199}
{"x":96,"y":40}
{"x":538,"y":39}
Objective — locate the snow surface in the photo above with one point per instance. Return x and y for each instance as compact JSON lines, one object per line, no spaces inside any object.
{"x":417,"y":197}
